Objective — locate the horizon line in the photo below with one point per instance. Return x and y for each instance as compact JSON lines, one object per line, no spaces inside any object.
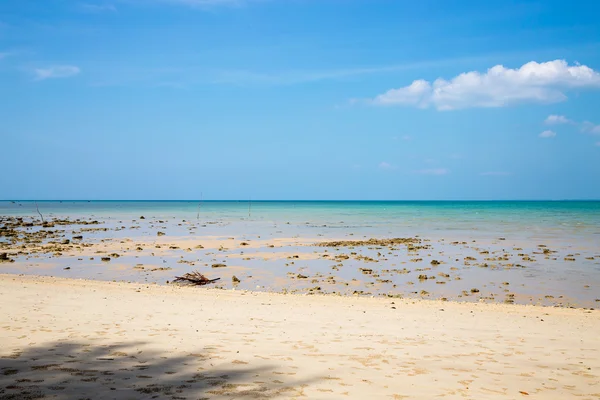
{"x":280,"y":200}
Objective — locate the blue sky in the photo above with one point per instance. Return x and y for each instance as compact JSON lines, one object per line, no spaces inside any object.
{"x":299,"y":99}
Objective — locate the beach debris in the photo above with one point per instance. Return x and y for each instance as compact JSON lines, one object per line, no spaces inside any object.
{"x":235,"y":279}
{"x":161,"y":269}
{"x":105,"y":259}
{"x":370,"y":242}
{"x":300,"y":276}
{"x":159,"y":233}
{"x":4,"y":258}
{"x":365,"y":258}
{"x":219,"y":265}
{"x":194,"y":278}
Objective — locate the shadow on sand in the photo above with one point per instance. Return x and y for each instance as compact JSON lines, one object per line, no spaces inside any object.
{"x":71,"y":370}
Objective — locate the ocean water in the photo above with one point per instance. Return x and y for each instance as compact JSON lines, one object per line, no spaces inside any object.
{"x":485,"y":230}
{"x":579,"y":218}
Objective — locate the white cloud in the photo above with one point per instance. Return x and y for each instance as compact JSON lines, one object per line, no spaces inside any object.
{"x":589,"y":127}
{"x":56,"y":71}
{"x":547,"y":134}
{"x":97,"y":8}
{"x":497,"y":87}
{"x":433,"y":171}
{"x":495,"y":173}
{"x":404,"y":137}
{"x":585,"y":126}
{"x":557,"y":119}
{"x":417,"y":93}
{"x":385,"y":165}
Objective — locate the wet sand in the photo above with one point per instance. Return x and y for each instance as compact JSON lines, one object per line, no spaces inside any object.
{"x":67,"y":338}
{"x":288,"y":258}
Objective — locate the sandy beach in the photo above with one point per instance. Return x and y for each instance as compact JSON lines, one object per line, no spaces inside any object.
{"x":75,"y":339}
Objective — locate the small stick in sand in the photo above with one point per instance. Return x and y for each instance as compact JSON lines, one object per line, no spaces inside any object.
{"x":38,"y":210}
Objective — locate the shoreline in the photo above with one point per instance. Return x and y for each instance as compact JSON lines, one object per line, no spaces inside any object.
{"x":188,"y":342}
{"x":296,"y":258}
{"x":188,"y":289}
{"x":171,"y":288}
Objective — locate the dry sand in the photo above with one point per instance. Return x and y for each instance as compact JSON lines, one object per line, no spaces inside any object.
{"x":76,"y":339}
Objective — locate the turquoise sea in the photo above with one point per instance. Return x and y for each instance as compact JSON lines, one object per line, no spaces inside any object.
{"x":561,"y":212}
{"x":520,"y":217}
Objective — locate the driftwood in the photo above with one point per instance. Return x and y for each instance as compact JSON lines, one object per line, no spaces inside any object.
{"x":195,"y":278}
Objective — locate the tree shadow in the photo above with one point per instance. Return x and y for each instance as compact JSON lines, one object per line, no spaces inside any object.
{"x":71,"y":370}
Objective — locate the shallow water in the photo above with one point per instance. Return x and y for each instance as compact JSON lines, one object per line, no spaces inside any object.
{"x":570,"y":229}
{"x":525,"y":218}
